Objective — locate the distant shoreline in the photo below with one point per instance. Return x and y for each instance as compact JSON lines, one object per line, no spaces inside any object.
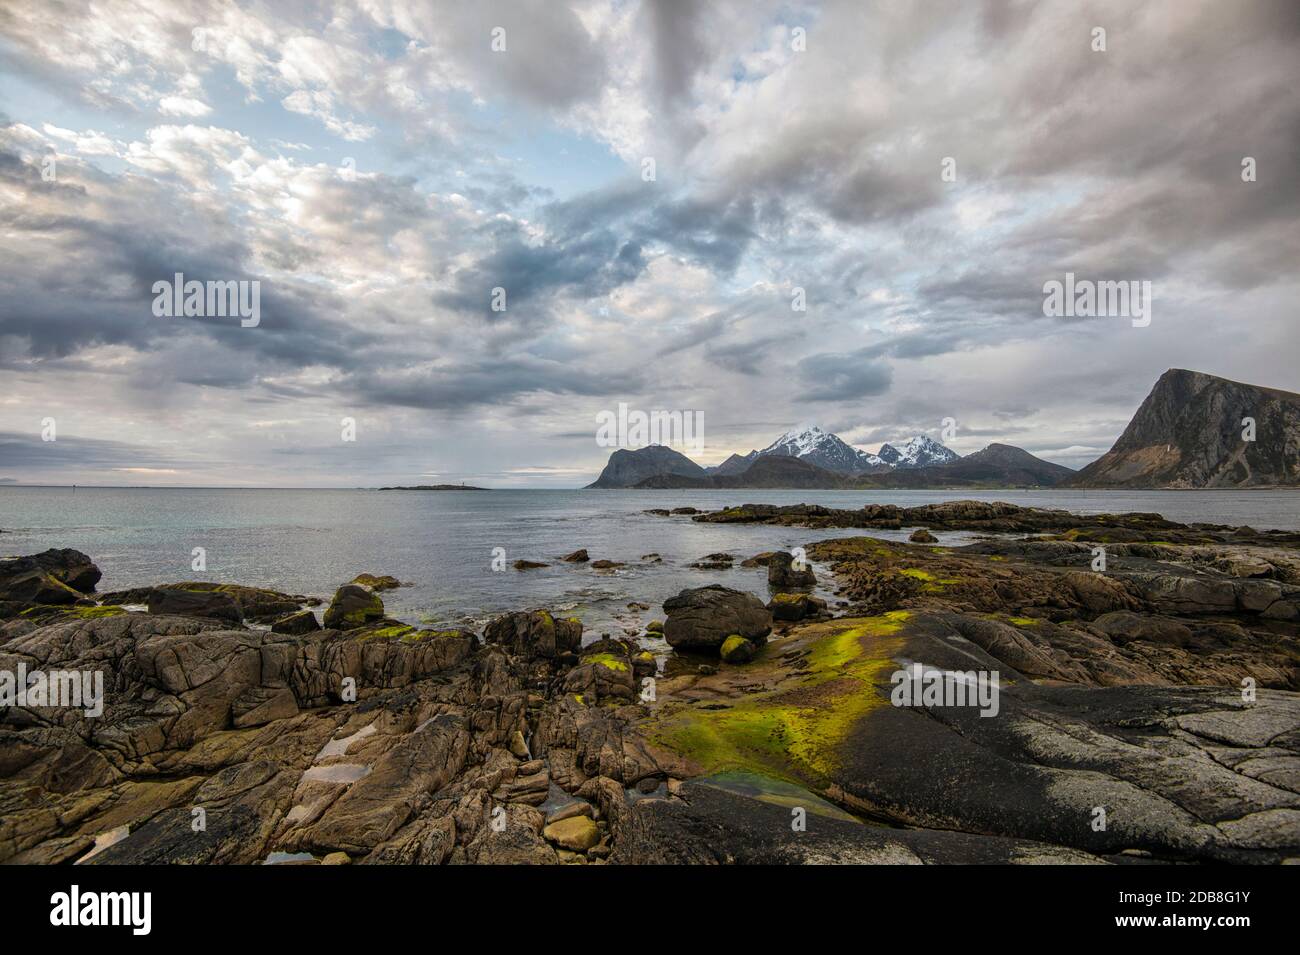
{"x":436,"y":487}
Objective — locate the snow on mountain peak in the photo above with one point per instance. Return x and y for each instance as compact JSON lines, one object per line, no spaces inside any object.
{"x":817,"y":446}
{"x":922,"y":451}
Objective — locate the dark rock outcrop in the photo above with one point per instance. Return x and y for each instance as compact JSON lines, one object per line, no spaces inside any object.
{"x":782,"y":574}
{"x":535,"y":633}
{"x":65,"y":565}
{"x":353,"y":606}
{"x":703,"y":618}
{"x":304,"y":621}
{"x":192,"y":603}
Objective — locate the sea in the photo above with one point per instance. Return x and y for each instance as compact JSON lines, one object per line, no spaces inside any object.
{"x":442,"y":544}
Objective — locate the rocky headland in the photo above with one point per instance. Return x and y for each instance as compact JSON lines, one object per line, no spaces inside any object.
{"x":1146,"y":712}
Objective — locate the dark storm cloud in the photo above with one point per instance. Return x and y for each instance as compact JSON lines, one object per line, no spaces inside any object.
{"x":840,"y":377}
{"x":490,"y":382}
{"x":29,"y":451}
{"x":587,"y":266}
{"x":747,"y":357}
{"x":599,"y":244}
{"x":148,"y":234}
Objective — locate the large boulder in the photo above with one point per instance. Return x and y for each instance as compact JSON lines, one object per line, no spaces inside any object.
{"x":353,"y":606}
{"x":304,"y":621}
{"x":194,"y":603}
{"x":701,"y":618}
{"x":66,"y":565}
{"x":535,"y":633}
{"x":37,"y":587}
{"x":782,"y":574}
{"x":792,"y":607}
{"x":606,"y":672}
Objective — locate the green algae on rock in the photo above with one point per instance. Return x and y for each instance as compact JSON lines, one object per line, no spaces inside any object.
{"x":791,"y":730}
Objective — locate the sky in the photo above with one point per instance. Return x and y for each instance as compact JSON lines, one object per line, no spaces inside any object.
{"x":653,"y":186}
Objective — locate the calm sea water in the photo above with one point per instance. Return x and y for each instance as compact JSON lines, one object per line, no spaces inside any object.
{"x":441,"y":543}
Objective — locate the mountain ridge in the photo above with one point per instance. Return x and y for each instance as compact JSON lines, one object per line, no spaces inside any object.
{"x":1190,"y":432}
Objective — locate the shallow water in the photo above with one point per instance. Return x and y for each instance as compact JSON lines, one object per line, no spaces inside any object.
{"x":441,"y":543}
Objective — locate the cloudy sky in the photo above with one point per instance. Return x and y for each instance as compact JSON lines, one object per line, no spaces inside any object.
{"x":379,"y":168}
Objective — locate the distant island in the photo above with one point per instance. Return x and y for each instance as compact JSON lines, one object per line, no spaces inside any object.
{"x":436,"y":487}
{"x":1194,"y":430}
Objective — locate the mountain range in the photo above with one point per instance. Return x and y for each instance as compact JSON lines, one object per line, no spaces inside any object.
{"x":1193,"y":430}
{"x":812,"y":458}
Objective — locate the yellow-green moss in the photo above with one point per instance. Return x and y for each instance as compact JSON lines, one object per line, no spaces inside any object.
{"x":84,"y":613}
{"x":1024,"y":621}
{"x":608,"y":661}
{"x":386,"y":633}
{"x":418,"y":636}
{"x":731,"y":645}
{"x":94,"y":613}
{"x":794,"y":732}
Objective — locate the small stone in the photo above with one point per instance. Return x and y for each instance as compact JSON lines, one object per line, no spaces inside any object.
{"x":577,"y":833}
{"x":736,"y":649}
{"x":518,"y":745}
{"x":337,"y":858}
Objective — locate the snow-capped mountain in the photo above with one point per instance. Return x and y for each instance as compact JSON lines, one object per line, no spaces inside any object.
{"x":829,"y":451}
{"x":823,"y":449}
{"x":919,"y":452}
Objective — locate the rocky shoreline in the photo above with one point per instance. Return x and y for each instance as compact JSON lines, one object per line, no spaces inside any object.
{"x":1145,"y":712}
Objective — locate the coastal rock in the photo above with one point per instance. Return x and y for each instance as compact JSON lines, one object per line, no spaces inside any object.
{"x":714,"y":562}
{"x":535,"y":633}
{"x":792,"y":607}
{"x":528,"y":564}
{"x":577,"y":833}
{"x":37,"y":587}
{"x":353,"y":606}
{"x":606,"y":672}
{"x":922,"y":536}
{"x":65,"y":565}
{"x":304,"y":621}
{"x":377,"y":582}
{"x":782,"y":574}
{"x":190,"y":603}
{"x":606,"y":565}
{"x":703,"y":617}
{"x":736,"y":649}
{"x":577,"y":557}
